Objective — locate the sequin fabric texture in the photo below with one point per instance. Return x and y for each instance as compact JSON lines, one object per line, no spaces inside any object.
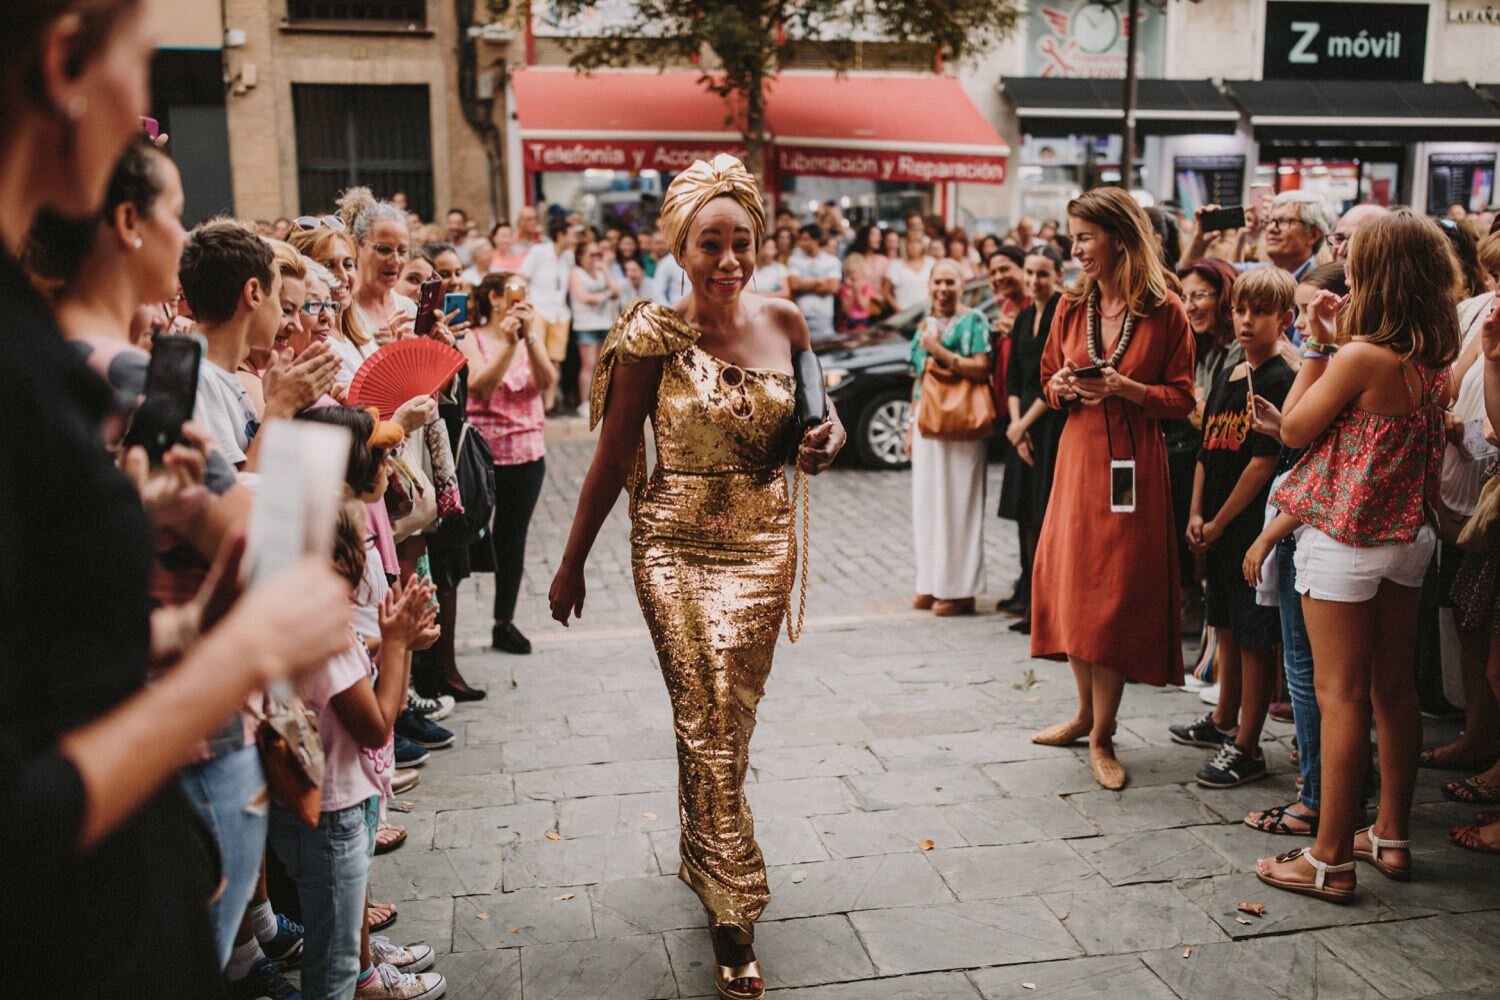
{"x":710,"y":545}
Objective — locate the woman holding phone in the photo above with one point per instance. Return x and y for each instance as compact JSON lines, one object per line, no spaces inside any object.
{"x":1120,"y":360}
{"x":509,"y":371}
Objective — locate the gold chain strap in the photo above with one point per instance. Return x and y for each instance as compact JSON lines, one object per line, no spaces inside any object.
{"x":803,"y":552}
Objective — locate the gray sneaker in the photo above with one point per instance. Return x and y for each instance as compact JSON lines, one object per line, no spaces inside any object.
{"x":1202,"y":733}
{"x":436,"y":709}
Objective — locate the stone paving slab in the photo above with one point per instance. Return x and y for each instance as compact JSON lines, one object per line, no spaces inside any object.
{"x":882,"y":729}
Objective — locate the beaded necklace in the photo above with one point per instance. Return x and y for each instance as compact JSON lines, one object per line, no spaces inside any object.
{"x":1091,"y":341}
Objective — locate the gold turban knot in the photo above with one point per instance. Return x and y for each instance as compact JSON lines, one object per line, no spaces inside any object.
{"x":697,"y":186}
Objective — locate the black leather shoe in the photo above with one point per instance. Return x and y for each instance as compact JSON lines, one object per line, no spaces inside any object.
{"x":508,"y":639}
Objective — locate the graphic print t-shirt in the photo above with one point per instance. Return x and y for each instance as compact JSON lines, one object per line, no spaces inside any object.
{"x":1229,"y":443}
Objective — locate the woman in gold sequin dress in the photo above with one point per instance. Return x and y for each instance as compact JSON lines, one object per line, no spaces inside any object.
{"x":710,"y":538}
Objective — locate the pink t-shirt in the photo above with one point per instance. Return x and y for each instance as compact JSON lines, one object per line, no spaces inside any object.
{"x":351,"y":774}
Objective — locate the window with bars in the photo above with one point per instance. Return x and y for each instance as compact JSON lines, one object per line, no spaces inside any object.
{"x":379,"y":136}
{"x":381,"y":12}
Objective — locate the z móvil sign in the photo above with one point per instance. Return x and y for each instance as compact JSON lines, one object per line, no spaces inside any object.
{"x":1345,"y":41}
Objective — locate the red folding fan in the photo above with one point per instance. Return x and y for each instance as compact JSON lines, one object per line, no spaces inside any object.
{"x":401,"y":370}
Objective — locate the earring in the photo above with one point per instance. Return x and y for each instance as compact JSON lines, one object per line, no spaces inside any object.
{"x":138,"y":243}
{"x":78,"y":106}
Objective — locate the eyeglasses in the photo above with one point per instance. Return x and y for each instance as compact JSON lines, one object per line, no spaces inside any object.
{"x":1200,"y":296}
{"x":313,"y":307}
{"x":385,"y":250}
{"x":1278,"y":222}
{"x":317,"y":221}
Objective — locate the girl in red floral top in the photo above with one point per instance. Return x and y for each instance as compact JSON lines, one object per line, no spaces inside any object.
{"x":1365,"y":493}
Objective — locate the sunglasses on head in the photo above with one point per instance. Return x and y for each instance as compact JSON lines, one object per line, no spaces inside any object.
{"x":317,"y":221}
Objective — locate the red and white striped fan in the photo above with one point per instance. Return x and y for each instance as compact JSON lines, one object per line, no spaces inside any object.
{"x":402,"y":370}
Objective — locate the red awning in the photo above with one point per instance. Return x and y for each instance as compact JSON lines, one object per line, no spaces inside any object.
{"x":907,"y":128}
{"x":901,"y":128}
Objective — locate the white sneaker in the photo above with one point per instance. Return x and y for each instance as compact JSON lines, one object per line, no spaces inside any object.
{"x":390,"y":983}
{"x":1209,"y":695}
{"x":1192,"y":683}
{"x":412,"y":958}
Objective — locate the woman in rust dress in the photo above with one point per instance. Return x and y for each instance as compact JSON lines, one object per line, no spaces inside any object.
{"x":1105,"y":591}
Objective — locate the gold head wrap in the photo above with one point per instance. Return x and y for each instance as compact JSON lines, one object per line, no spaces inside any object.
{"x":701,"y":183}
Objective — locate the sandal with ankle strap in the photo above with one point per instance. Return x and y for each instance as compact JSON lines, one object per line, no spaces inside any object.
{"x":1318,"y":888}
{"x":727,"y":976}
{"x":1378,"y":844}
{"x":1273,"y":820}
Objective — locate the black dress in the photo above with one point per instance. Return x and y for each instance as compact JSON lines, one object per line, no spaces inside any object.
{"x":1025,"y":488}
{"x":129,"y":918}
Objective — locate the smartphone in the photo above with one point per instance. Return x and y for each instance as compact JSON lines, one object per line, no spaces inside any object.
{"x":427,"y":305}
{"x":1122,"y":486}
{"x":151,"y":127}
{"x":1221,"y":219}
{"x":456,"y":302}
{"x":171,"y":395}
{"x":1088,"y":371}
{"x":514,"y":293}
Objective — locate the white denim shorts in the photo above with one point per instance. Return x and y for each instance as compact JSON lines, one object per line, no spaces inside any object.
{"x":1329,"y":570}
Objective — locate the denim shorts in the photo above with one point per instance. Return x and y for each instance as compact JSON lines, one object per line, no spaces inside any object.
{"x":229,"y":792}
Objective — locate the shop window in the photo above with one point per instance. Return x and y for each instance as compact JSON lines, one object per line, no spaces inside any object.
{"x":372,"y":12}
{"x":379,"y":136}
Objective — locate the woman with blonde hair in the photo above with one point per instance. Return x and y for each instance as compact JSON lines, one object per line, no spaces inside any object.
{"x":1120,"y":361}
{"x":710,"y":540}
{"x":327,"y":241}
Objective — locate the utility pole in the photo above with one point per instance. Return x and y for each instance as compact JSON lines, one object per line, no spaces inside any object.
{"x":1127,"y":141}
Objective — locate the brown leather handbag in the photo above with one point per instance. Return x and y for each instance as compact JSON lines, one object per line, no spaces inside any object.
{"x":954,"y":408}
{"x":292,"y":754}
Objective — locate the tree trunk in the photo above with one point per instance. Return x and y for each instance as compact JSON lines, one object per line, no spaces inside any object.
{"x":755,"y":129}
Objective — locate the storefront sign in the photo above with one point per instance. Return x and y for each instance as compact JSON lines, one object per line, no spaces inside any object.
{"x":886,"y":165}
{"x":604,"y":154}
{"x":1085,"y":38}
{"x":1345,"y":41}
{"x":1473,"y":12}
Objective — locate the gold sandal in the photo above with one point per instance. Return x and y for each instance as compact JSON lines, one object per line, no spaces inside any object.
{"x":1317,"y":888}
{"x":725,"y":976}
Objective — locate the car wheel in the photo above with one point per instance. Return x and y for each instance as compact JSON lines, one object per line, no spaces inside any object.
{"x":880,"y":437}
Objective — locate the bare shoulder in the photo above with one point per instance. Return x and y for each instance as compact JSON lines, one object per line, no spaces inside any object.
{"x":785,"y":315}
{"x":1359,"y":355}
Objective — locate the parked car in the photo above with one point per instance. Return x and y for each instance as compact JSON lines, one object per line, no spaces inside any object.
{"x":869,"y":378}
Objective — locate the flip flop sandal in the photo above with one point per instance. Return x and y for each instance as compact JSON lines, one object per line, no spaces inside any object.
{"x":388,"y":837}
{"x":1470,"y":838}
{"x":1317,"y":888}
{"x":1378,"y":844}
{"x":1273,"y":820}
{"x":378,"y":924}
{"x":1472,"y":791}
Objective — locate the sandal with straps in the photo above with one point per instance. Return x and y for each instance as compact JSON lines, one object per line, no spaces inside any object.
{"x":1273,"y":820}
{"x":1318,"y":887}
{"x":1378,"y":844}
{"x":1471,"y":838}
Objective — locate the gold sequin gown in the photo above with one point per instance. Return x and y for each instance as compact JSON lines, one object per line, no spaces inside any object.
{"x":710,"y":548}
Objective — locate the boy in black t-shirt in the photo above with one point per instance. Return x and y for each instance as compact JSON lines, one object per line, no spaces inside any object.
{"x":1230,"y":487}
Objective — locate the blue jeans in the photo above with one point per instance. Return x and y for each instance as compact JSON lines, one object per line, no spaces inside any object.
{"x":1298,"y":662}
{"x":331,"y":866}
{"x":229,"y":792}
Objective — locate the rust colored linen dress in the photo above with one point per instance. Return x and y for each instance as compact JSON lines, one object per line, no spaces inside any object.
{"x":1105,"y":584}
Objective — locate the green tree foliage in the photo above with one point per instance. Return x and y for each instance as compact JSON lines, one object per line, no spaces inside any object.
{"x":748,"y":40}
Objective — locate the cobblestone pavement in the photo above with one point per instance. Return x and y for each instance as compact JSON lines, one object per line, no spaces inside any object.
{"x":543,"y":851}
